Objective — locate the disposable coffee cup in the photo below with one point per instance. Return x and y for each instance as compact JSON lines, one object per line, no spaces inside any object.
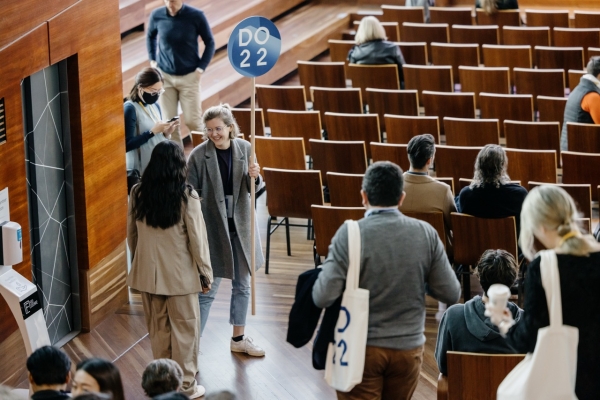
{"x":498,"y":295}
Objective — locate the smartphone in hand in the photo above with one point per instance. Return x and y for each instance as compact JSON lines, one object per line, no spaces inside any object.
{"x":174,"y":119}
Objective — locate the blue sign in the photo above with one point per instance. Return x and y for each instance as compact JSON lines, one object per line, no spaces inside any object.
{"x":254,"y":46}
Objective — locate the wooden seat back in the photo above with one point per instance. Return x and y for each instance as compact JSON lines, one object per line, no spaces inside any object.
{"x":506,"y":106}
{"x":583,"y":138}
{"x":457,"y":105}
{"x":383,"y":76}
{"x":437,"y":78}
{"x":344,"y":189}
{"x":435,"y":219}
{"x":540,"y":82}
{"x":428,"y":33}
{"x":455,"y":55}
{"x":397,"y":102}
{"x":484,"y":79}
{"x":565,"y":58}
{"x":507,"y":56}
{"x":455,"y":161}
{"x":333,"y":156}
{"x":594,"y":51}
{"x":581,"y":168}
{"x":472,"y":237}
{"x":471,"y":131}
{"x":281,"y":153}
{"x":451,"y":15}
{"x":327,"y":220}
{"x":500,"y":18}
{"x":392,"y":30}
{"x":304,"y":124}
{"x":243,"y":118}
{"x":321,"y":74}
{"x":532,"y":135}
{"x":549,"y":18}
{"x":347,"y":101}
{"x":339,"y":49}
{"x":551,"y":109}
{"x":395,"y":153}
{"x":573,"y":78}
{"x":479,"y":34}
{"x":490,"y":369}
{"x":577,"y":37}
{"x":292,"y":192}
{"x":414,"y":52}
{"x":586,"y":19}
{"x":401,"y":128}
{"x":353,"y":127}
{"x":400,"y":14}
{"x":581,"y":193}
{"x":275,"y":97}
{"x":532,"y":165}
{"x":526,"y":36}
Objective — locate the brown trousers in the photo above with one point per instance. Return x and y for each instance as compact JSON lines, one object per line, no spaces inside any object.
{"x":389,"y":375}
{"x":174,"y":329}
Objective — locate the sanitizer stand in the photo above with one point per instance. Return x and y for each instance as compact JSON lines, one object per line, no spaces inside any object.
{"x":19,"y":293}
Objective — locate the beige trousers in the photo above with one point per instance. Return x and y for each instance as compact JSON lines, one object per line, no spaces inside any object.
{"x":183,"y":89}
{"x":174,"y":327}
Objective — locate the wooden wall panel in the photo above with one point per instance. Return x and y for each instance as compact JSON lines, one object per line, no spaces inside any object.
{"x":27,"y":55}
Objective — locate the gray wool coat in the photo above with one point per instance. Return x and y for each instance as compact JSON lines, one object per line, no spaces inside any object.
{"x":204,"y":176}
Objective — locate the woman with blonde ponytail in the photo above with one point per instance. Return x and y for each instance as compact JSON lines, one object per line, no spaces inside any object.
{"x":491,"y":6}
{"x":549,"y":215}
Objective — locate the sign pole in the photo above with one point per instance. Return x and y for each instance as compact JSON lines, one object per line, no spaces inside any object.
{"x":253,"y":197}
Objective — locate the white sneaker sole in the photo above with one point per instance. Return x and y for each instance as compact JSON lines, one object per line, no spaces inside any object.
{"x":250,"y":353}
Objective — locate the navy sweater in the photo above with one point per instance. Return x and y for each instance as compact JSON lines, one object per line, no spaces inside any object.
{"x":178,"y":40}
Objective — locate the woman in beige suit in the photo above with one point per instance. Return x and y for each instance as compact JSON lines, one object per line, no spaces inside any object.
{"x":171,"y":260}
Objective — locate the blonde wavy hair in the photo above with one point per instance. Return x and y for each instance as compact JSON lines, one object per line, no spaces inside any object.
{"x":369,"y":29}
{"x":222,"y":111}
{"x":489,"y":6}
{"x":551,"y":207}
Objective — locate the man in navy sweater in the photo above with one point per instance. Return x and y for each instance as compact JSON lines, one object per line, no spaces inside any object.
{"x":175,"y":29}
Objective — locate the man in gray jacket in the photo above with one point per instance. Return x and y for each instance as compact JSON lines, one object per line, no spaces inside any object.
{"x":402,"y":260}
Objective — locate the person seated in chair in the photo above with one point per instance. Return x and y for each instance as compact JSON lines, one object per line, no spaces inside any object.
{"x":464,"y":327}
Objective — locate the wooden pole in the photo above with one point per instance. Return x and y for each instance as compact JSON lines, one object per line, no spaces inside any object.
{"x":253,"y":199}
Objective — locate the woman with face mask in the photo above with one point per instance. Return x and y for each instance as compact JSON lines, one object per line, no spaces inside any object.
{"x":144,"y":126}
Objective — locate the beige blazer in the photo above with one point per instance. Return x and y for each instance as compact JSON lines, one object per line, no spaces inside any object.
{"x":169,"y":261}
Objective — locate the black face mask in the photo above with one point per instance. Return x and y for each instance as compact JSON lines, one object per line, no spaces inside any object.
{"x":149,"y":98}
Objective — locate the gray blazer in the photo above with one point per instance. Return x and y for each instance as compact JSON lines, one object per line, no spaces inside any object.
{"x":204,"y":176}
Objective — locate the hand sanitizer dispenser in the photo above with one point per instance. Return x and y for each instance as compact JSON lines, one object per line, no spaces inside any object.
{"x":20,"y":294}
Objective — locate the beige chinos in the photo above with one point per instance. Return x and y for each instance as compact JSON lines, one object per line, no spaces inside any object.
{"x":183,"y":89}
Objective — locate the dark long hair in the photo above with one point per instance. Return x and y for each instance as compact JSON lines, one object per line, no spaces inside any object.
{"x":161,"y":193}
{"x":145,"y":78}
{"x":106,"y":374}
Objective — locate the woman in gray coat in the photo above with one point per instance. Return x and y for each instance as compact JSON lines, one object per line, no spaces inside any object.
{"x":221,"y":172}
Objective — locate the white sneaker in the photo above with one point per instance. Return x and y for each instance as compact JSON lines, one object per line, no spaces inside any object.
{"x":247,"y":346}
{"x":200,"y":390}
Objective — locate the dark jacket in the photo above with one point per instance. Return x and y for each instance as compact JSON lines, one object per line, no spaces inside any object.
{"x":50,"y":395}
{"x":304,"y":317}
{"x":502,"y":4}
{"x":464,"y":327}
{"x":573,"y":110}
{"x":378,"y":52}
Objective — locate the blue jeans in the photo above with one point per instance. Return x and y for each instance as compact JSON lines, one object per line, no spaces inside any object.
{"x":240,"y":290}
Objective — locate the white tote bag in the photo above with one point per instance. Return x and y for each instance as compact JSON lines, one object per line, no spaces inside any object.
{"x":549,"y":373}
{"x":345,"y":362}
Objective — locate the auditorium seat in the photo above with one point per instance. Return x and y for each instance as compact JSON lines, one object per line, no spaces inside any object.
{"x":353,"y":127}
{"x":304,"y":124}
{"x":392,"y":30}
{"x":384,"y":76}
{"x":540,"y":82}
{"x":282,"y":153}
{"x":500,"y":18}
{"x":471,"y":131}
{"x":428,"y":33}
{"x":531,"y":165}
{"x":471,"y":239}
{"x":401,"y":128}
{"x":339,"y":49}
{"x":334,"y":156}
{"x":565,"y":58}
{"x":455,"y":161}
{"x":344,"y":189}
{"x":441,"y":104}
{"x":291,"y":194}
{"x":321,"y":74}
{"x":347,"y":101}
{"x":572,"y":37}
{"x":414,"y":52}
{"x":395,"y":153}
{"x":506,"y":106}
{"x":451,"y":15}
{"x":484,"y":79}
{"x":586,"y":19}
{"x":583,"y":138}
{"x":401,"y":14}
{"x":581,"y":193}
{"x":397,"y":102}
{"x":275,"y":97}
{"x":435,"y":219}
{"x":479,"y":34}
{"x":549,"y":18}
{"x":455,"y":55}
{"x":327,"y":220}
{"x":437,"y":78}
{"x":243,"y":118}
{"x":593,"y":51}
{"x":581,"y":168}
{"x":574,"y":76}
{"x":551,"y":108}
{"x":507,"y":56}
{"x":526,"y":36}
{"x":532,"y":135}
